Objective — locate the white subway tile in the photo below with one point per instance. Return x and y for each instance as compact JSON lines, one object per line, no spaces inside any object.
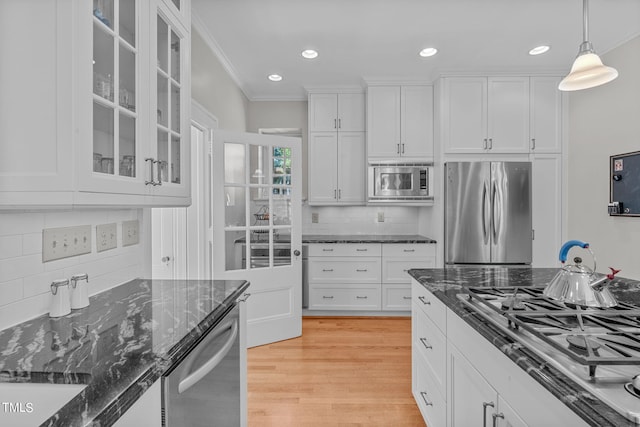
{"x":40,"y":283}
{"x":10,"y":246}
{"x":10,"y":291}
{"x":32,"y":243}
{"x":15,"y":268}
{"x":24,"y":309}
{"x":20,"y":223}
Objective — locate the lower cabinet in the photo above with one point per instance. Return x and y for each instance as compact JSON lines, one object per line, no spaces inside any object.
{"x":459,"y":379}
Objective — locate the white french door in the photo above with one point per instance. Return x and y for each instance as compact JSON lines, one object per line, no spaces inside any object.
{"x":256,"y":204}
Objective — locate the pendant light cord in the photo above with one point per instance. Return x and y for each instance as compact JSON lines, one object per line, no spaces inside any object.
{"x":585,"y":18}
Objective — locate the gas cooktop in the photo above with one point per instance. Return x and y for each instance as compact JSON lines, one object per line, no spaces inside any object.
{"x":598,"y":348}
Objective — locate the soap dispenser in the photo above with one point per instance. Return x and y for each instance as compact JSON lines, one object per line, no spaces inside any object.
{"x":60,"y":304}
{"x":79,"y":292}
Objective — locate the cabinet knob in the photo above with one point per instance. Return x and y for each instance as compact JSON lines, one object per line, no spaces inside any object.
{"x":296,"y":252}
{"x":166,"y":259}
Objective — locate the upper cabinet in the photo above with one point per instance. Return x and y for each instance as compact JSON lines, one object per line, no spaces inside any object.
{"x":400,"y":123}
{"x":109,"y":98}
{"x":342,"y":112}
{"x":501,"y":115}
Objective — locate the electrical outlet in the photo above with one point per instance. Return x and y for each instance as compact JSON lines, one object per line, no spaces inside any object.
{"x":65,"y":242}
{"x":130,"y":233}
{"x":106,"y":236}
{"x":380,"y":216}
{"x":315,"y":217}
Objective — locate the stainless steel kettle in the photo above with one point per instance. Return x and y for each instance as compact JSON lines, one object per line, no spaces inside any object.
{"x":578,"y":284}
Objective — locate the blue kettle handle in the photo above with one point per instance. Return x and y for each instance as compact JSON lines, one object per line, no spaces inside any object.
{"x":564,"y":250}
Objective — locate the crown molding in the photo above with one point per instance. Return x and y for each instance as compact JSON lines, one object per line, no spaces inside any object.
{"x":200,"y":27}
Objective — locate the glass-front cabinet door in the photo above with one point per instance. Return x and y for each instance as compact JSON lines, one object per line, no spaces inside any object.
{"x":172,"y":97}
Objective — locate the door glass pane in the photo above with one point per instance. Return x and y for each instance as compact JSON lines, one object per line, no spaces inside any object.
{"x":163,"y":39}
{"x":103,"y":145}
{"x":103,"y":59}
{"x":175,"y":56}
{"x":128,"y":21}
{"x":281,"y":166}
{"x":163,"y":156}
{"x":235,"y":250}
{"x":282,"y":250}
{"x":258,"y":159}
{"x":127,"y":150}
{"x":163,"y":101}
{"x":175,"y":159}
{"x":126,"y":93}
{"x":103,"y":10}
{"x":282,"y":208}
{"x":176,"y":3}
{"x":234,"y":211}
{"x":260,"y":250}
{"x":234,"y":163}
{"x":175,"y":108}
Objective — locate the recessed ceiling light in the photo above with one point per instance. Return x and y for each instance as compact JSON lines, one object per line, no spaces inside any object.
{"x":275,"y":77}
{"x":309,"y":54}
{"x":539,"y":50}
{"x":430,"y":51}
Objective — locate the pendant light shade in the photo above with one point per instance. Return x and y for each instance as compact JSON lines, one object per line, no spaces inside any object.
{"x":587,"y":70}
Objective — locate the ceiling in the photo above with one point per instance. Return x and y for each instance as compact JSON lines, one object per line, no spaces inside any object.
{"x":379,"y":40}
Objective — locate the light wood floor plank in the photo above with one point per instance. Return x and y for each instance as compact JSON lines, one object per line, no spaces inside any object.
{"x":343,"y":372}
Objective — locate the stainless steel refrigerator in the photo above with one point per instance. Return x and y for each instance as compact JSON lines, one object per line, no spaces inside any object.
{"x":488,"y":213}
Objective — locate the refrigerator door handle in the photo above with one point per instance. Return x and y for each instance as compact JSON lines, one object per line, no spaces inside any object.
{"x":485,"y":235}
{"x":494,"y":220}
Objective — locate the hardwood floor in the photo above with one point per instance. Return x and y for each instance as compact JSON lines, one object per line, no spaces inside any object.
{"x":341,"y":372}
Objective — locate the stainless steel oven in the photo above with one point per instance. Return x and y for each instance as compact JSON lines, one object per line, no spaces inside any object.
{"x":260,"y":254}
{"x":408,"y":182}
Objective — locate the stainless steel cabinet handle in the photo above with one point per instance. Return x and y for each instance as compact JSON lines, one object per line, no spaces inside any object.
{"x":326,"y":297}
{"x":365,"y":297}
{"x":424,"y":301}
{"x":327,"y":250}
{"x":495,"y":418}
{"x":398,"y":149}
{"x":245,"y":297}
{"x":424,"y":343}
{"x":362,"y":250}
{"x":490,"y":143}
{"x":327,"y":269}
{"x":405,"y":297}
{"x":533,"y":143}
{"x":208,"y":366}
{"x":153,"y":181}
{"x":409,"y":250}
{"x":335,"y":194}
{"x":339,"y":123}
{"x":335,"y":123}
{"x":484,"y":412}
{"x":424,"y":397}
{"x":402,"y":148}
{"x":484,"y":143}
{"x":339,"y":193}
{"x":158,"y":172}
{"x":361,"y":270}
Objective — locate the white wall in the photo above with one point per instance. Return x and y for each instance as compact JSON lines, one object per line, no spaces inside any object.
{"x":360,"y":220}
{"x":25,"y":279}
{"x":214,"y":89}
{"x":604,"y":121}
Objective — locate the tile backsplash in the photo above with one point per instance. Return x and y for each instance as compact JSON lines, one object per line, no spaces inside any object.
{"x":360,"y":219}
{"x":25,"y":278}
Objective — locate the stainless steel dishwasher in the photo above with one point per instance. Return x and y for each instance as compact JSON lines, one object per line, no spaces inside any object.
{"x":204,"y":388}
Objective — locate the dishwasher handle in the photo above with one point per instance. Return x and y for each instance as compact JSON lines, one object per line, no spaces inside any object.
{"x":210,"y":364}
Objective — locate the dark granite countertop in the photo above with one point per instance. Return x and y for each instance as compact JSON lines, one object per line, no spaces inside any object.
{"x":447,"y":283}
{"x":346,"y":238}
{"x":119,"y":345}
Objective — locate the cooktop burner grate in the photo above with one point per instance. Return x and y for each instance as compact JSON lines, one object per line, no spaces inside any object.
{"x":589,"y":336}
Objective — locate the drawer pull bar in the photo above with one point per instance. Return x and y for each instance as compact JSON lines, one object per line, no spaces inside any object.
{"x":424,"y":301}
{"x":484,"y":412}
{"x":361,"y":271}
{"x":327,"y":269}
{"x":327,"y":250}
{"x":424,"y":343}
{"x":495,"y":418}
{"x":365,"y":297}
{"x":326,"y":297}
{"x":409,"y":250}
{"x":405,"y":297}
{"x":424,"y":397}
{"x":361,"y":250}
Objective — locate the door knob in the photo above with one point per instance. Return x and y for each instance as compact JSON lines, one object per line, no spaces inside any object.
{"x":166,"y":259}
{"x":296,"y":252}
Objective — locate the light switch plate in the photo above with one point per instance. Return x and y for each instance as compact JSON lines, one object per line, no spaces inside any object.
{"x":130,"y":232}
{"x":315,"y":217}
{"x":65,"y":242}
{"x":106,"y":236}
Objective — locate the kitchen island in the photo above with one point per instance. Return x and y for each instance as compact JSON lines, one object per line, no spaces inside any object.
{"x":438,"y":291}
{"x":119,"y":345}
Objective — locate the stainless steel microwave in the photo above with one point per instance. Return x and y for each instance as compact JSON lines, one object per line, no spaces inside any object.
{"x":406,"y":182}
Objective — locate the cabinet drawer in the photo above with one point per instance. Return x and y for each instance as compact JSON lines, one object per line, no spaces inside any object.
{"x":351,"y":298}
{"x":428,"y":396}
{"x":417,"y":250}
{"x":435,"y":309}
{"x":429,"y":341}
{"x":395,"y":270}
{"x":344,"y":249}
{"x":344,"y":270}
{"x":396,"y":297}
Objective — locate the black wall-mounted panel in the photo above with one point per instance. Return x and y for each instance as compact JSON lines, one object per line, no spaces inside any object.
{"x":625,"y":182}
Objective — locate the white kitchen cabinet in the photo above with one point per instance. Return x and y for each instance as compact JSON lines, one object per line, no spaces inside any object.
{"x":485,"y":115}
{"x":476,"y":373}
{"x":545,"y":111}
{"x":397,"y":260}
{"x":400,"y":122}
{"x":336,"y":112}
{"x":90,"y":94}
{"x":146,"y":411}
{"x":336,"y":172}
{"x":546,"y":212}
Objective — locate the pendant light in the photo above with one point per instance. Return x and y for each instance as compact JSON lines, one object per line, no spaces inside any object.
{"x":587,"y":70}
